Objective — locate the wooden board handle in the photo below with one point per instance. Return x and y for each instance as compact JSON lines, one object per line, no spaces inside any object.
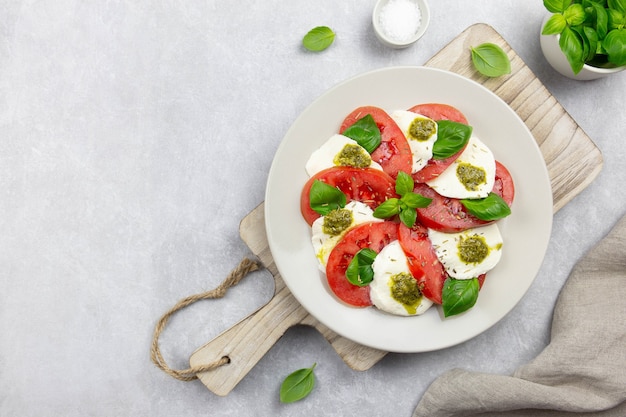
{"x":246,"y":342}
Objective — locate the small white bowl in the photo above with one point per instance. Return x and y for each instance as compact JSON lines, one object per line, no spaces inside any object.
{"x":383,"y":29}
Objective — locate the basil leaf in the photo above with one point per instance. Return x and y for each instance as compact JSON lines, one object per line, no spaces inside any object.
{"x":554,"y":25}
{"x":602,"y":19}
{"x":490,"y":60}
{"x":404,"y":183}
{"x":324,"y":198}
{"x":575,"y":14}
{"x":318,"y":38}
{"x":459,"y":295}
{"x":616,"y":19}
{"x":387,"y":208}
{"x":615,"y":46}
{"x":297,"y":385}
{"x":408,"y":216}
{"x":556,"y":6}
{"x":619,"y":5}
{"x":492,"y":207}
{"x":365,"y":132}
{"x":451,"y":138}
{"x":360,"y":270}
{"x":572,"y":46}
{"x":591,"y":40}
{"x":415,"y":200}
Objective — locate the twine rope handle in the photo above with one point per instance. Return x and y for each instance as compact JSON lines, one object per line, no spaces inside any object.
{"x":245,"y":266}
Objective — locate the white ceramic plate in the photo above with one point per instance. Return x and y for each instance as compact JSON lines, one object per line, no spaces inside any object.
{"x":526,"y":231}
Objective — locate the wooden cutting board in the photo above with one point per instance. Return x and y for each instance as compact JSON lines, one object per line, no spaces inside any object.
{"x":572,"y":159}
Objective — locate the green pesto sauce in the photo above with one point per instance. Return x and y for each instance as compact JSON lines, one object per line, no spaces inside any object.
{"x":353,"y":156}
{"x":471,"y":176}
{"x":422,"y":129}
{"x":337,"y":221}
{"x":404,"y":289}
{"x":473,"y":249}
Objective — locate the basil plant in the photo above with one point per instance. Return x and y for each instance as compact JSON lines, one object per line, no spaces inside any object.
{"x":591,"y":32}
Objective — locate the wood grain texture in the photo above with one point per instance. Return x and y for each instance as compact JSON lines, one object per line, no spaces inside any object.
{"x":572,"y":159}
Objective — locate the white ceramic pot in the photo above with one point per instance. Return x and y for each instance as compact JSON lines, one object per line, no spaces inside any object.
{"x":556,"y":58}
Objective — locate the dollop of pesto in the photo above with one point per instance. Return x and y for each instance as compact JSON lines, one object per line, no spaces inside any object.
{"x":404,"y":289}
{"x":473,"y":249}
{"x":471,"y":176}
{"x":337,"y":221}
{"x":421,"y":129}
{"x":354,"y":156}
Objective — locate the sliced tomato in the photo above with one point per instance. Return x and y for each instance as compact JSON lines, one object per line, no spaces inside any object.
{"x":449,"y":215}
{"x":369,"y":186}
{"x":437,"y":111}
{"x":504,"y":185}
{"x":373,"y":235}
{"x":393,"y":153}
{"x":423,"y":262}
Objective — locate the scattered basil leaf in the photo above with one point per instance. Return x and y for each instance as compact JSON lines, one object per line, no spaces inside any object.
{"x":387,"y":209}
{"x":451,"y":138}
{"x":404,"y":183}
{"x":492,"y":207}
{"x":360,"y":270}
{"x":459,"y":295}
{"x":365,"y":132}
{"x":318,"y":38}
{"x":324,"y":198}
{"x":490,"y":60}
{"x":297,"y":385}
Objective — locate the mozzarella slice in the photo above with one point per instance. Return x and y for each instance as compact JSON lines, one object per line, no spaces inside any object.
{"x":470,"y":253}
{"x":421,"y":144}
{"x":472,"y":175}
{"x":391,"y":274}
{"x":323,"y":242}
{"x":339,"y":150}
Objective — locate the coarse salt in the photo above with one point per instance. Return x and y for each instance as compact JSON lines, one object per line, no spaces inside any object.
{"x":400,"y":19}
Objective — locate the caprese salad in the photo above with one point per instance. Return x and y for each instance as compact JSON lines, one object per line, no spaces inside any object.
{"x":403,"y":209}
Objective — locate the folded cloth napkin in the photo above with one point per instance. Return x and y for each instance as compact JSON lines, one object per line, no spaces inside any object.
{"x":581,"y":373}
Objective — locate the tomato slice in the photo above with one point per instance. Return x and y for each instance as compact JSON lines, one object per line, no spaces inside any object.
{"x":393,"y":153}
{"x":449,"y":215}
{"x":368,"y":235}
{"x":437,"y":111}
{"x":367,"y":185}
{"x":423,"y":262}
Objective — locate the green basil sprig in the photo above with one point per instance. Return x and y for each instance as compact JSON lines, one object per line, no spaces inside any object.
{"x":459,"y":295}
{"x":492,"y":207}
{"x":490,"y":60}
{"x":318,"y":38}
{"x":365,"y":132}
{"x":451,"y":138}
{"x":406,"y":205}
{"x":297,"y":385}
{"x":591,"y":32}
{"x":360,"y":270}
{"x":324,"y":198}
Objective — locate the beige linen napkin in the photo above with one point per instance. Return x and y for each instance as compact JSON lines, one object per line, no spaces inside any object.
{"x":582,"y":372}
